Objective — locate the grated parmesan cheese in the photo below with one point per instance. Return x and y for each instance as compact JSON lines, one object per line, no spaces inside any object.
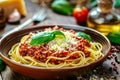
{"x":63,"y":43}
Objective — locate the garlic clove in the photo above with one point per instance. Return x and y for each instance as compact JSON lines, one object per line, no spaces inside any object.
{"x":14,"y":17}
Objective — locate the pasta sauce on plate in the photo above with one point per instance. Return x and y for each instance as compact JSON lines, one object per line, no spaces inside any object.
{"x":56,"y":48}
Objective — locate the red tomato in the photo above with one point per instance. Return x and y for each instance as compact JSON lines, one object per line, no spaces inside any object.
{"x":80,"y":14}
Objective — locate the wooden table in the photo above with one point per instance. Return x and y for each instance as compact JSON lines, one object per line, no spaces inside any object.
{"x":52,"y":18}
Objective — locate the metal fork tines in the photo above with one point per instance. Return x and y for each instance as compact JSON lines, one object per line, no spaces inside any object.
{"x":38,"y":17}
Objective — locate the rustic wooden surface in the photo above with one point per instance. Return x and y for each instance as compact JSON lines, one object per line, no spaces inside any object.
{"x":52,"y":18}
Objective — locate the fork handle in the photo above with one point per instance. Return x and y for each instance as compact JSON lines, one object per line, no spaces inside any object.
{"x":17,"y":28}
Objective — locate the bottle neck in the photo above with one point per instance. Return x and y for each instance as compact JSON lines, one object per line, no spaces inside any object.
{"x":83,"y":2}
{"x":105,"y":6}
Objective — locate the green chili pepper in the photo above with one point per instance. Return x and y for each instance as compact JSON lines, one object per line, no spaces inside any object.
{"x":62,"y":7}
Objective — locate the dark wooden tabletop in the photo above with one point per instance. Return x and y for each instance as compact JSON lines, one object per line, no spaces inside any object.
{"x":54,"y":18}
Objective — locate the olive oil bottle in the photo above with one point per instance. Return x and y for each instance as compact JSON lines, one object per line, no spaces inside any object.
{"x":103,"y":18}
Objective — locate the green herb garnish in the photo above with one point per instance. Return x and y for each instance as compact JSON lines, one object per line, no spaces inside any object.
{"x":84,"y":35}
{"x":45,"y":37}
{"x":2,"y":65}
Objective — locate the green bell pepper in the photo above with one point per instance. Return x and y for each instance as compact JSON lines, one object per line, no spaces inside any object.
{"x":114,"y":37}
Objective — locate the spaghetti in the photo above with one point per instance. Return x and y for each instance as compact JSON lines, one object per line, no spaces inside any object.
{"x":60,"y":52}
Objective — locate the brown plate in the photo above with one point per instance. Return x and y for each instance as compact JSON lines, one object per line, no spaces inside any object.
{"x":42,"y":73}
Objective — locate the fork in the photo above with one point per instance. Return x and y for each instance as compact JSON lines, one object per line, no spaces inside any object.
{"x":38,"y":17}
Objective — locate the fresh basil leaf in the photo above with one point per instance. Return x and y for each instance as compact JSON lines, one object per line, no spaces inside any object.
{"x":42,"y":38}
{"x":58,"y":32}
{"x":84,"y":35}
{"x":45,"y":37}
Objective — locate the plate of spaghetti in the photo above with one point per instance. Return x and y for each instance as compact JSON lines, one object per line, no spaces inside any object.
{"x":54,"y":50}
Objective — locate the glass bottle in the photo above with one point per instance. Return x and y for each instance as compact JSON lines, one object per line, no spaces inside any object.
{"x":103,"y":18}
{"x":2,"y":19}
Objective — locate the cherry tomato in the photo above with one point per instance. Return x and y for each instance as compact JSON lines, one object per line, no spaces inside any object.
{"x":80,"y":14}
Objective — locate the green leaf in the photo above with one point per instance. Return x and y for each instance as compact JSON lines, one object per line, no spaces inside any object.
{"x":114,"y":37}
{"x":2,"y":65}
{"x":84,"y":35}
{"x":45,"y":37}
{"x":57,"y":32}
{"x":42,"y":38}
